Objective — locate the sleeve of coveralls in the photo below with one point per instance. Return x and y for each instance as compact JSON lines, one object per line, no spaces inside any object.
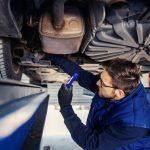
{"x":115,"y":136}
{"x":85,"y":79}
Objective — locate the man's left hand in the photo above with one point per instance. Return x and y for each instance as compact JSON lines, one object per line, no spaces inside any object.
{"x":64,"y":96}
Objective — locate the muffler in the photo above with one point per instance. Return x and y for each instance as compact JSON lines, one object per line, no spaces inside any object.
{"x":61,"y":33}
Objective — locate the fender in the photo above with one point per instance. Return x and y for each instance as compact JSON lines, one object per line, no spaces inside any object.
{"x":8,"y":24}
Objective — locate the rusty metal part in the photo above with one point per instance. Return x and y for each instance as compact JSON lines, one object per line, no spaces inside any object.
{"x":33,"y":60}
{"x":58,"y":14}
{"x":68,"y":39}
{"x":32,"y":64}
{"x":46,"y":75}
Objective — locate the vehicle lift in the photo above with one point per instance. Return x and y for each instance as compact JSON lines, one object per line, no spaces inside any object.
{"x":23,"y":109}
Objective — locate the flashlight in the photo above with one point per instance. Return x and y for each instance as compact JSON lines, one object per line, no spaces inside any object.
{"x":71,"y":80}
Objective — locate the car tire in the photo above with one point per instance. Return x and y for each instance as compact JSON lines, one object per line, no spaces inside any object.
{"x":8,"y":69}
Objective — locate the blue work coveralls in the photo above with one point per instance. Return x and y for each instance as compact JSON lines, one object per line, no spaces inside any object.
{"x":111,"y":125}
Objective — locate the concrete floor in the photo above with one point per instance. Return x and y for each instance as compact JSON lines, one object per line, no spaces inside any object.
{"x":55,"y":134}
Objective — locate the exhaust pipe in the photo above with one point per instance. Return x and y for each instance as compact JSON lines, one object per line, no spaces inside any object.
{"x":58,"y":14}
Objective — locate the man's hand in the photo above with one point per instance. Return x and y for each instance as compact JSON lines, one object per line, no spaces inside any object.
{"x":64,"y":96}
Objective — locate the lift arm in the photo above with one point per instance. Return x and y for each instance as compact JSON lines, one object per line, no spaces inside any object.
{"x":23,"y":109}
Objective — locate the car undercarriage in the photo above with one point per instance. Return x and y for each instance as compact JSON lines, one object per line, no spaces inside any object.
{"x":87,"y":32}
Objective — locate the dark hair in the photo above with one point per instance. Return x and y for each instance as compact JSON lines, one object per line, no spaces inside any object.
{"x":125,"y":74}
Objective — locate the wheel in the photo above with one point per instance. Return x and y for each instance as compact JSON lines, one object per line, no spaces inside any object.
{"x":9,"y":69}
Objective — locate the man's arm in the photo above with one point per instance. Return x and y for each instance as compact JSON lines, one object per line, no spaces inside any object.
{"x":85,"y":79}
{"x":116,"y":135}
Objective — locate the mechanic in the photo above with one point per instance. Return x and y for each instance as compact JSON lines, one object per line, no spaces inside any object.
{"x":119,"y":115}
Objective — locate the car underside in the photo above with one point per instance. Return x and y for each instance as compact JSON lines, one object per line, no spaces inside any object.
{"x":87,"y":32}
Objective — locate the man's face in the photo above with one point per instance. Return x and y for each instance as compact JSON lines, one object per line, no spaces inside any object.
{"x":105,"y":86}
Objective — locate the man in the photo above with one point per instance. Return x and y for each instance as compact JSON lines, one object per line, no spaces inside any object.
{"x":119,"y":115}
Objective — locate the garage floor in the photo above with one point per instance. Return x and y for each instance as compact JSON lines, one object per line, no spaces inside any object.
{"x":55,"y":134}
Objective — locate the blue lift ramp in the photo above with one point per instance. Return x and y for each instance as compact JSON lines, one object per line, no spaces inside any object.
{"x":23,"y":109}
